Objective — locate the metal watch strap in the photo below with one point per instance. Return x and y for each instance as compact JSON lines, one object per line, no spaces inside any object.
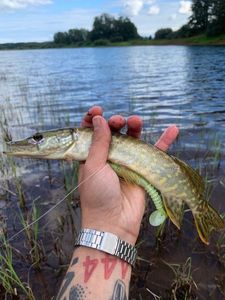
{"x":107,"y":242}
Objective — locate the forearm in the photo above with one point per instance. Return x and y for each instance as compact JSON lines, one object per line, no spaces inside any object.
{"x":94,"y":274}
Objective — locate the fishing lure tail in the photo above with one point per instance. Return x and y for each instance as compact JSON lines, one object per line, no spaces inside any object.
{"x":206,"y":220}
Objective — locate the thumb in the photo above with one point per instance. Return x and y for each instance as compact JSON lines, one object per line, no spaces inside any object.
{"x":99,"y":149}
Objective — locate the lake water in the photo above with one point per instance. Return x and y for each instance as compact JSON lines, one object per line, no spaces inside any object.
{"x":164,"y":85}
{"x":43,"y":89}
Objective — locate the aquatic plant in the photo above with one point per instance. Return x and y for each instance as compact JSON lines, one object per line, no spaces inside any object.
{"x":36,"y":251}
{"x":9,"y":279}
{"x":18,"y":183}
{"x":183,"y":286}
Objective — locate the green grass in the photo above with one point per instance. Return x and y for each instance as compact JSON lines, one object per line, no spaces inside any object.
{"x":36,"y":252}
{"x":9,"y":279}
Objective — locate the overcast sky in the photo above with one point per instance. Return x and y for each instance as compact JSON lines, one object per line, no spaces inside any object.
{"x":38,"y":20}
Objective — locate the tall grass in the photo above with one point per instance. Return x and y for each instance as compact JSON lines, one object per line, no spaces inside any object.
{"x":9,"y":279}
{"x":36,"y":251}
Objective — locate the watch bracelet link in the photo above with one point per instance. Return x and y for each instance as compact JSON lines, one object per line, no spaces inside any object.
{"x":107,"y":242}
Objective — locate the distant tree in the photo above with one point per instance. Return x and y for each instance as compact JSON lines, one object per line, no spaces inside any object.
{"x":103,"y":27}
{"x":77,"y":35}
{"x":150,"y":37}
{"x":126,"y":29}
{"x":208,"y":16}
{"x":217,"y":18}
{"x":107,"y":27}
{"x":184,"y":32}
{"x":199,"y":19}
{"x":163,"y":33}
{"x":61,"y":38}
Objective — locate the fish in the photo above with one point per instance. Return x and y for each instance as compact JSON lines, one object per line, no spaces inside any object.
{"x":137,"y":162}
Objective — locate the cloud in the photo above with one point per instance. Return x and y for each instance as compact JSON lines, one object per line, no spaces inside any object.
{"x":185,"y":7}
{"x":133,"y":7}
{"x":150,"y":1}
{"x":154,"y":10}
{"x":18,"y":4}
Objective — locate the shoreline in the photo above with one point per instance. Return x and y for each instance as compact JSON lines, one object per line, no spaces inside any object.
{"x":201,"y":40}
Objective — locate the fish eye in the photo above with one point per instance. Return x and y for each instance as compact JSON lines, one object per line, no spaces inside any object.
{"x":38,"y":137}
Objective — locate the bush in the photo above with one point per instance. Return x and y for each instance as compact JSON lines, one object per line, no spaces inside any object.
{"x":101,"y":42}
{"x":117,"y":38}
{"x":214,"y":29}
{"x":184,"y":32}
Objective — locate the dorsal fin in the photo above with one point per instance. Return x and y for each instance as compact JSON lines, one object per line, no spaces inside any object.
{"x":194,"y":176}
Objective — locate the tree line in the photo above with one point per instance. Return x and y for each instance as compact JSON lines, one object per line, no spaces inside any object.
{"x":105,"y":28}
{"x":208,"y":17}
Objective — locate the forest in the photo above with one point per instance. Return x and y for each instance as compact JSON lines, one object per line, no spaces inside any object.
{"x":208,"y":17}
{"x":105,"y":28}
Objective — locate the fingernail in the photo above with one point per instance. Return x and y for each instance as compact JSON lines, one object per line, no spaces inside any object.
{"x":96,"y":121}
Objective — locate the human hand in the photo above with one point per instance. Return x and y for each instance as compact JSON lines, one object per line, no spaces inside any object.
{"x":107,"y":203}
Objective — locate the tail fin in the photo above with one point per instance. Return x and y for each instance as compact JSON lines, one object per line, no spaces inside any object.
{"x":206,"y":220}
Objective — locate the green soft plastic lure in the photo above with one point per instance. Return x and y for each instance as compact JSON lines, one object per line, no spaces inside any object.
{"x":159,"y":215}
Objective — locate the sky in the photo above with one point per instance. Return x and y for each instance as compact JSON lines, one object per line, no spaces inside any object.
{"x":38,"y":20}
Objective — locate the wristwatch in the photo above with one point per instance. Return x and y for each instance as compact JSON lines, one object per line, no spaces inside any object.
{"x":107,"y":242}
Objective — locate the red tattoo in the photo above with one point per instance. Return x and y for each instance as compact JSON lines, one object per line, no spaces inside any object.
{"x":109,"y":265}
{"x":89,"y":265}
{"x":124,"y":268}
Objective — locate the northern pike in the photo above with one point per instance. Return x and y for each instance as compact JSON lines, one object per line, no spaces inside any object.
{"x":136,"y":162}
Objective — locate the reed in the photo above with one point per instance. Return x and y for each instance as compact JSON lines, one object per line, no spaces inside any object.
{"x":18,"y":183}
{"x":36,"y":251}
{"x":9,"y":279}
{"x":183,"y":286}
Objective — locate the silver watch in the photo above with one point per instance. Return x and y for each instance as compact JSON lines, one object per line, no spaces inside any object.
{"x":107,"y":242}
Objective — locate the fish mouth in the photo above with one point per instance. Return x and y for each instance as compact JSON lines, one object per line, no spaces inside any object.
{"x":12,"y":153}
{"x":19,"y":148}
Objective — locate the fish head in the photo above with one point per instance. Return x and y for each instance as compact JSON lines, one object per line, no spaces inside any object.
{"x":49,"y":144}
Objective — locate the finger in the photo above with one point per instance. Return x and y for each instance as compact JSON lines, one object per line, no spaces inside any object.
{"x":134,"y":126}
{"x":116,"y":122}
{"x":92,"y":112}
{"x":167,"y":138}
{"x":80,"y":172}
{"x":98,"y":152}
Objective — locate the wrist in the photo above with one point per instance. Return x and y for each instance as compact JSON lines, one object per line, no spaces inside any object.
{"x":119,"y":231}
{"x":107,"y":242}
